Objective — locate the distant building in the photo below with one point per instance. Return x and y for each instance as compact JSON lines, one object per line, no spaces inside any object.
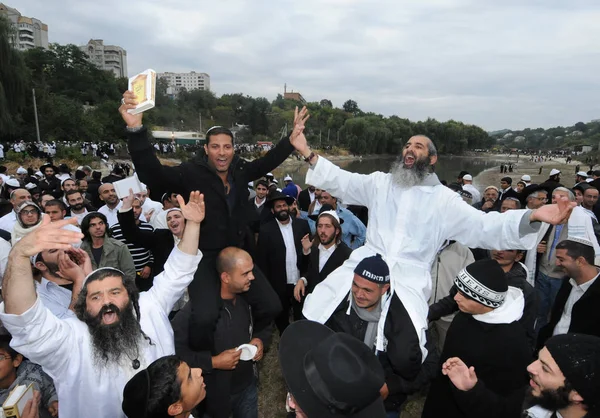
{"x":189,"y":81}
{"x":292,"y":95}
{"x":29,"y":32}
{"x":106,"y":57}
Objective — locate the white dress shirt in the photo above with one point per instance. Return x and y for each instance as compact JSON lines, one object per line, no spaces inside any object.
{"x":324,"y":254}
{"x":111,"y":214}
{"x":258,"y":205}
{"x":56,"y":298}
{"x":79,"y":216}
{"x":63,"y":347}
{"x":562,"y":327}
{"x":291,"y":258}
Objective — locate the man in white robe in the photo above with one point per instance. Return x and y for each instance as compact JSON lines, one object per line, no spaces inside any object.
{"x":90,"y":374}
{"x":410,"y":216}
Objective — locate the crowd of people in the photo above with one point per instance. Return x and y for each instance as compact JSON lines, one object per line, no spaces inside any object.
{"x":379,"y":286}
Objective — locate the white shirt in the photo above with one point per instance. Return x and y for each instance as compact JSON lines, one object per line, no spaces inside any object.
{"x":149,"y":205}
{"x":562,"y":327}
{"x":258,"y":205}
{"x":56,"y":298}
{"x":159,"y":220}
{"x":312,"y":196}
{"x":324,"y":254}
{"x":8,"y":221}
{"x":111,"y":214}
{"x":79,"y":216}
{"x":291,"y":258}
{"x":471,"y":189}
{"x":63,"y":347}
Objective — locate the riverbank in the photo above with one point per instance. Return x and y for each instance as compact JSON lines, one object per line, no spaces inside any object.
{"x":492,"y":176}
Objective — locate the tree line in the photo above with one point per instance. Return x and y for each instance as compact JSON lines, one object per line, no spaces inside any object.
{"x":76,"y":101}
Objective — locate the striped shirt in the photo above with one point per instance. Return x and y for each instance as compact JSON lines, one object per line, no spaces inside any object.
{"x":141,"y":256}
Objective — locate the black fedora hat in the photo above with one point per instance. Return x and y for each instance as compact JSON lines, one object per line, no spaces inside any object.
{"x":325,"y":208}
{"x":331,"y":374}
{"x":52,"y":166}
{"x":275,"y":195}
{"x":532,"y":188}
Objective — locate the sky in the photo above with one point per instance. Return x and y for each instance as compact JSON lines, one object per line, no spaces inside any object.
{"x":497,"y":64}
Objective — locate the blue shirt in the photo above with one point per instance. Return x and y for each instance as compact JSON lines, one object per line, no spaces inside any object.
{"x":351,"y":228}
{"x":56,"y":298}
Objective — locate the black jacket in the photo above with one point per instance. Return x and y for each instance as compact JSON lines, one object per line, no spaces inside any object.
{"x":159,"y":241}
{"x":51,"y":186}
{"x":304,"y":200}
{"x":218,"y":382}
{"x":499,"y":353}
{"x":550,"y":185}
{"x":270,"y":254}
{"x":402,"y":380}
{"x":312,"y":274}
{"x":516,"y":277}
{"x":585,"y":316}
{"x":223,"y":226}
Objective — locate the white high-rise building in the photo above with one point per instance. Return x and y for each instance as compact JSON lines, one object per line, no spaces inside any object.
{"x":189,"y":81}
{"x":106,"y":57}
{"x":29,"y":32}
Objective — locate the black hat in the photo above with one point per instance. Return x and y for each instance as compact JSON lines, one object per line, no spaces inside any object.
{"x":462,"y":174}
{"x":581,"y":186}
{"x":3,"y":169}
{"x":326,"y":208}
{"x":455,"y":187}
{"x":64,"y":168}
{"x":373,"y":269}
{"x":330,"y":374}
{"x":52,"y":166}
{"x":275,"y":195}
{"x":483,"y":281}
{"x":578,"y":356}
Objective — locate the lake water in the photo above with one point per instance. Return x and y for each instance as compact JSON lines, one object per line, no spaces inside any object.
{"x":447,"y":167}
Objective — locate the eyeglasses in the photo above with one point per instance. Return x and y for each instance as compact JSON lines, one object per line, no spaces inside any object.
{"x":29,"y":212}
{"x":4,"y":357}
{"x":541,"y":199}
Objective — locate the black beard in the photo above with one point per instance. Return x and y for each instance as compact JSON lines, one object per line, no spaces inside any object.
{"x":282,"y":215}
{"x":329,"y":241}
{"x":293,"y":213}
{"x":78,"y":207}
{"x":550,"y":399}
{"x":52,"y":268}
{"x":113,"y":342}
{"x":408,"y":177}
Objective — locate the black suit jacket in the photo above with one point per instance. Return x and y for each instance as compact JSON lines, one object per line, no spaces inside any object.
{"x":223,"y":226}
{"x":509,"y":193}
{"x":304,"y":200}
{"x":312,"y":274}
{"x":585,"y":317}
{"x":271,"y":252}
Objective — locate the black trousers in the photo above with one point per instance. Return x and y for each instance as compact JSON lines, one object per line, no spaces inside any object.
{"x":288,"y":302}
{"x":205,"y":297}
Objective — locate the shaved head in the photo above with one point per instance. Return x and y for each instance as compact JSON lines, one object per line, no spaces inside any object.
{"x":228,"y":259}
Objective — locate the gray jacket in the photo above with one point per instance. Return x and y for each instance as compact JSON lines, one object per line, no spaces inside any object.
{"x":114,"y":254}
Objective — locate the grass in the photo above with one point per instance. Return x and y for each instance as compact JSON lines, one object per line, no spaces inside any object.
{"x":272,"y":391}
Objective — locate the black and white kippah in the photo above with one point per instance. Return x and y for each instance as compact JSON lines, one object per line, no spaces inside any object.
{"x":483,"y":281}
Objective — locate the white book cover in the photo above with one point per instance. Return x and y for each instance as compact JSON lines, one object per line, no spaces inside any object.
{"x":122,"y":186}
{"x":143,"y":85}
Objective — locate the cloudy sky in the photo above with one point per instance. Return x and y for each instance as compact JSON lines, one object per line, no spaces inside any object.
{"x":498,"y":64}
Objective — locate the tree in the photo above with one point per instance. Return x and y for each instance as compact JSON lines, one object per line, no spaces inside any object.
{"x":350,"y":106}
{"x":326,"y":103}
{"x":14,"y":82}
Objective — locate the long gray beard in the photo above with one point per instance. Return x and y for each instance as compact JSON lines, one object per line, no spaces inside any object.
{"x":409,"y":177}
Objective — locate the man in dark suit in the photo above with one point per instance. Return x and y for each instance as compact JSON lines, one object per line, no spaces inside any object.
{"x":306,"y":197}
{"x":506,"y":189}
{"x":281,"y":256}
{"x":575,"y":308}
{"x":327,"y":253}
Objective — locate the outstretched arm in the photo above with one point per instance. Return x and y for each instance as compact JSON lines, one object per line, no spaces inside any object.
{"x":18,"y":288}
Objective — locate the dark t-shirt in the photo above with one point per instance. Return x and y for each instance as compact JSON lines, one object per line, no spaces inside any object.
{"x":97,"y":253}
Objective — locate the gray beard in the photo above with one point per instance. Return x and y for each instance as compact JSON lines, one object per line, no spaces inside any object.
{"x":409,"y":177}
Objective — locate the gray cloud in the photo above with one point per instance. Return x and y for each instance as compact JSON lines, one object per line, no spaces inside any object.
{"x":497,"y":64}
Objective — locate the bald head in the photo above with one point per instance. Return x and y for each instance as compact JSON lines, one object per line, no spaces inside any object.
{"x":18,"y":196}
{"x":229,"y":257}
{"x":108,"y":195}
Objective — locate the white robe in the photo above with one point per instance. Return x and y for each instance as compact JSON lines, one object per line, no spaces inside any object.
{"x":407,"y":227}
{"x":64,"y":349}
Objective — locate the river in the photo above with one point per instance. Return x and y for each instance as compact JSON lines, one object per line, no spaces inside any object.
{"x":447,"y":167}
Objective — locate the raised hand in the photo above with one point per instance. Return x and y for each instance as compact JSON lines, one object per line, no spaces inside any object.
{"x":68,"y":269}
{"x":128,"y":201}
{"x":463,"y":377}
{"x":194,"y":210}
{"x":82,"y":259}
{"x":554,"y":214}
{"x":129,"y":102}
{"x":306,"y":243}
{"x":48,"y":236}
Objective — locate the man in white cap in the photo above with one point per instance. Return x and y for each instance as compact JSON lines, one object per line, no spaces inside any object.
{"x":18,"y":196}
{"x":581,"y":176}
{"x":553,"y":181}
{"x":526,"y":178}
{"x":468,"y":186}
{"x":21,"y":175}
